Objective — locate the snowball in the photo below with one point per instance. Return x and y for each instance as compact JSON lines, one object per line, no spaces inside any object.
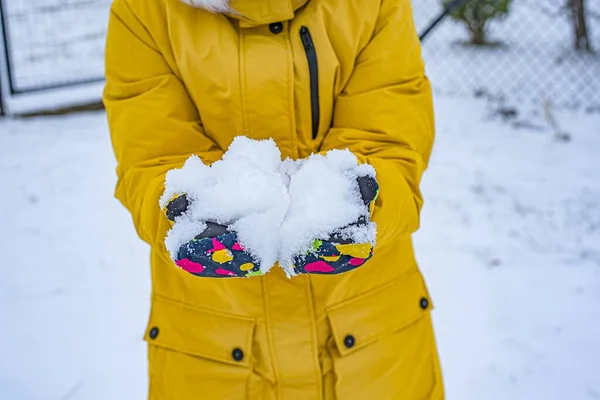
{"x":262,"y":154}
{"x":288,"y":168}
{"x":179,"y":181}
{"x":324,"y":198}
{"x":365,"y":170}
{"x":243,"y":190}
{"x":277,"y":208}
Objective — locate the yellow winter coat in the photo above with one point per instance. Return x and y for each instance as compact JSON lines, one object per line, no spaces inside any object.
{"x":183,"y":80}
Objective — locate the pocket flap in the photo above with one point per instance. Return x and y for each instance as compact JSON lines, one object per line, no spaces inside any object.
{"x":362,"y":320}
{"x":200,"y":332}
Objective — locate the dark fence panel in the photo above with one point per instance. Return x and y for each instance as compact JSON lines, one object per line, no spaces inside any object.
{"x":2,"y":58}
{"x":53,"y":43}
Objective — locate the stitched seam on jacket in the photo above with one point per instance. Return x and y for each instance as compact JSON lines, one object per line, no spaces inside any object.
{"x":270,"y":342}
{"x":243,"y":81}
{"x":314,"y":336}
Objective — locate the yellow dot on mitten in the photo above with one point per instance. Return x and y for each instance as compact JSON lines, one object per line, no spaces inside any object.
{"x":246,"y":267}
{"x":330,"y":258}
{"x":222,"y":256}
{"x":356,"y":250}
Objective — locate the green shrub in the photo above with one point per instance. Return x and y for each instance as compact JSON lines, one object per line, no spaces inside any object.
{"x":476,"y":14}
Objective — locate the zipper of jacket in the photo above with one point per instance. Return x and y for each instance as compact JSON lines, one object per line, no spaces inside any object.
{"x":313,"y":69}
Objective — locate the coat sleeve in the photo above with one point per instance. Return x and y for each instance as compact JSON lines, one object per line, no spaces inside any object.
{"x":384,"y":115}
{"x":153,"y":123}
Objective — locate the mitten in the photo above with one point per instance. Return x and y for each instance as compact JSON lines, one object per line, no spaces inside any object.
{"x":225,"y":217}
{"x":214,"y":252}
{"x":328,"y":229}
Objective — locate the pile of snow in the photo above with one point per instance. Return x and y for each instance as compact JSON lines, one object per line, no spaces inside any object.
{"x":243,"y":191}
{"x":277,"y":208}
{"x":325,"y":198}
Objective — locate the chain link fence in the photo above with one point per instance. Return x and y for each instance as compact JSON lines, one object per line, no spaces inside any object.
{"x":529,"y":55}
{"x":53,"y":43}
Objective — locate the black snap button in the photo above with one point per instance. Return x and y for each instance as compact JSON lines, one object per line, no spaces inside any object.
{"x":276,"y":27}
{"x":237,"y":354}
{"x":153,"y":333}
{"x":424,"y":303}
{"x":349,"y":341}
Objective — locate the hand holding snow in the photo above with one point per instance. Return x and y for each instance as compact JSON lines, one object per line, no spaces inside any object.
{"x":324,"y":198}
{"x":277,"y":208}
{"x":243,"y":191}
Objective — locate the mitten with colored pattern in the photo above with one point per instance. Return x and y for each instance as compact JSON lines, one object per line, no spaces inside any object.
{"x":328,"y":229}
{"x":225,"y":217}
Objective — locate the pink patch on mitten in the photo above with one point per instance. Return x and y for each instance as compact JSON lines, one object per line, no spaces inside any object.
{"x":319,"y":266}
{"x":238,"y":247}
{"x":216,"y":246}
{"x":355,"y":262}
{"x":221,"y":271}
{"x":190,"y":266}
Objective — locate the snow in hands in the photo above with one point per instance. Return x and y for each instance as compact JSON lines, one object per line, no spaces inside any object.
{"x":324,"y":198}
{"x":277,"y":208}
{"x":243,"y":191}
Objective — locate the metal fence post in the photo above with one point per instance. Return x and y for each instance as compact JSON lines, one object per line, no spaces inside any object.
{"x":5,"y":83}
{"x":445,"y":12}
{"x":2,"y":60}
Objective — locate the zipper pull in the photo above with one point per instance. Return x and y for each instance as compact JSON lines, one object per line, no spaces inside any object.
{"x":306,"y":39}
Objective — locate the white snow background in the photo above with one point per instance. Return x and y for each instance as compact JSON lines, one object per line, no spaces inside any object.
{"x":509,"y":244}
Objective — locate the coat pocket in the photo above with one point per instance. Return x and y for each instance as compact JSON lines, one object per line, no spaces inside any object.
{"x":196,"y":352}
{"x":382,"y":344}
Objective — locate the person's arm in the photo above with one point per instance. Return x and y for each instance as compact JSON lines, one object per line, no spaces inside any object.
{"x":384,"y":115}
{"x":153,"y":123}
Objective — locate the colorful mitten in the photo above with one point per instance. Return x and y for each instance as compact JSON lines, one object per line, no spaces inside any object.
{"x":239,"y":199}
{"x":339,"y":253}
{"x":215,"y":252}
{"x":328,"y":228}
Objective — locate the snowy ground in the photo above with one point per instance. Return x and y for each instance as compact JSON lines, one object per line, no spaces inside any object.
{"x":510,"y":246}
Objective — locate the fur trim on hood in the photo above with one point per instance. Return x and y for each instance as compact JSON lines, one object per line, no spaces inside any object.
{"x":250,"y":12}
{"x":221,"y":6}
